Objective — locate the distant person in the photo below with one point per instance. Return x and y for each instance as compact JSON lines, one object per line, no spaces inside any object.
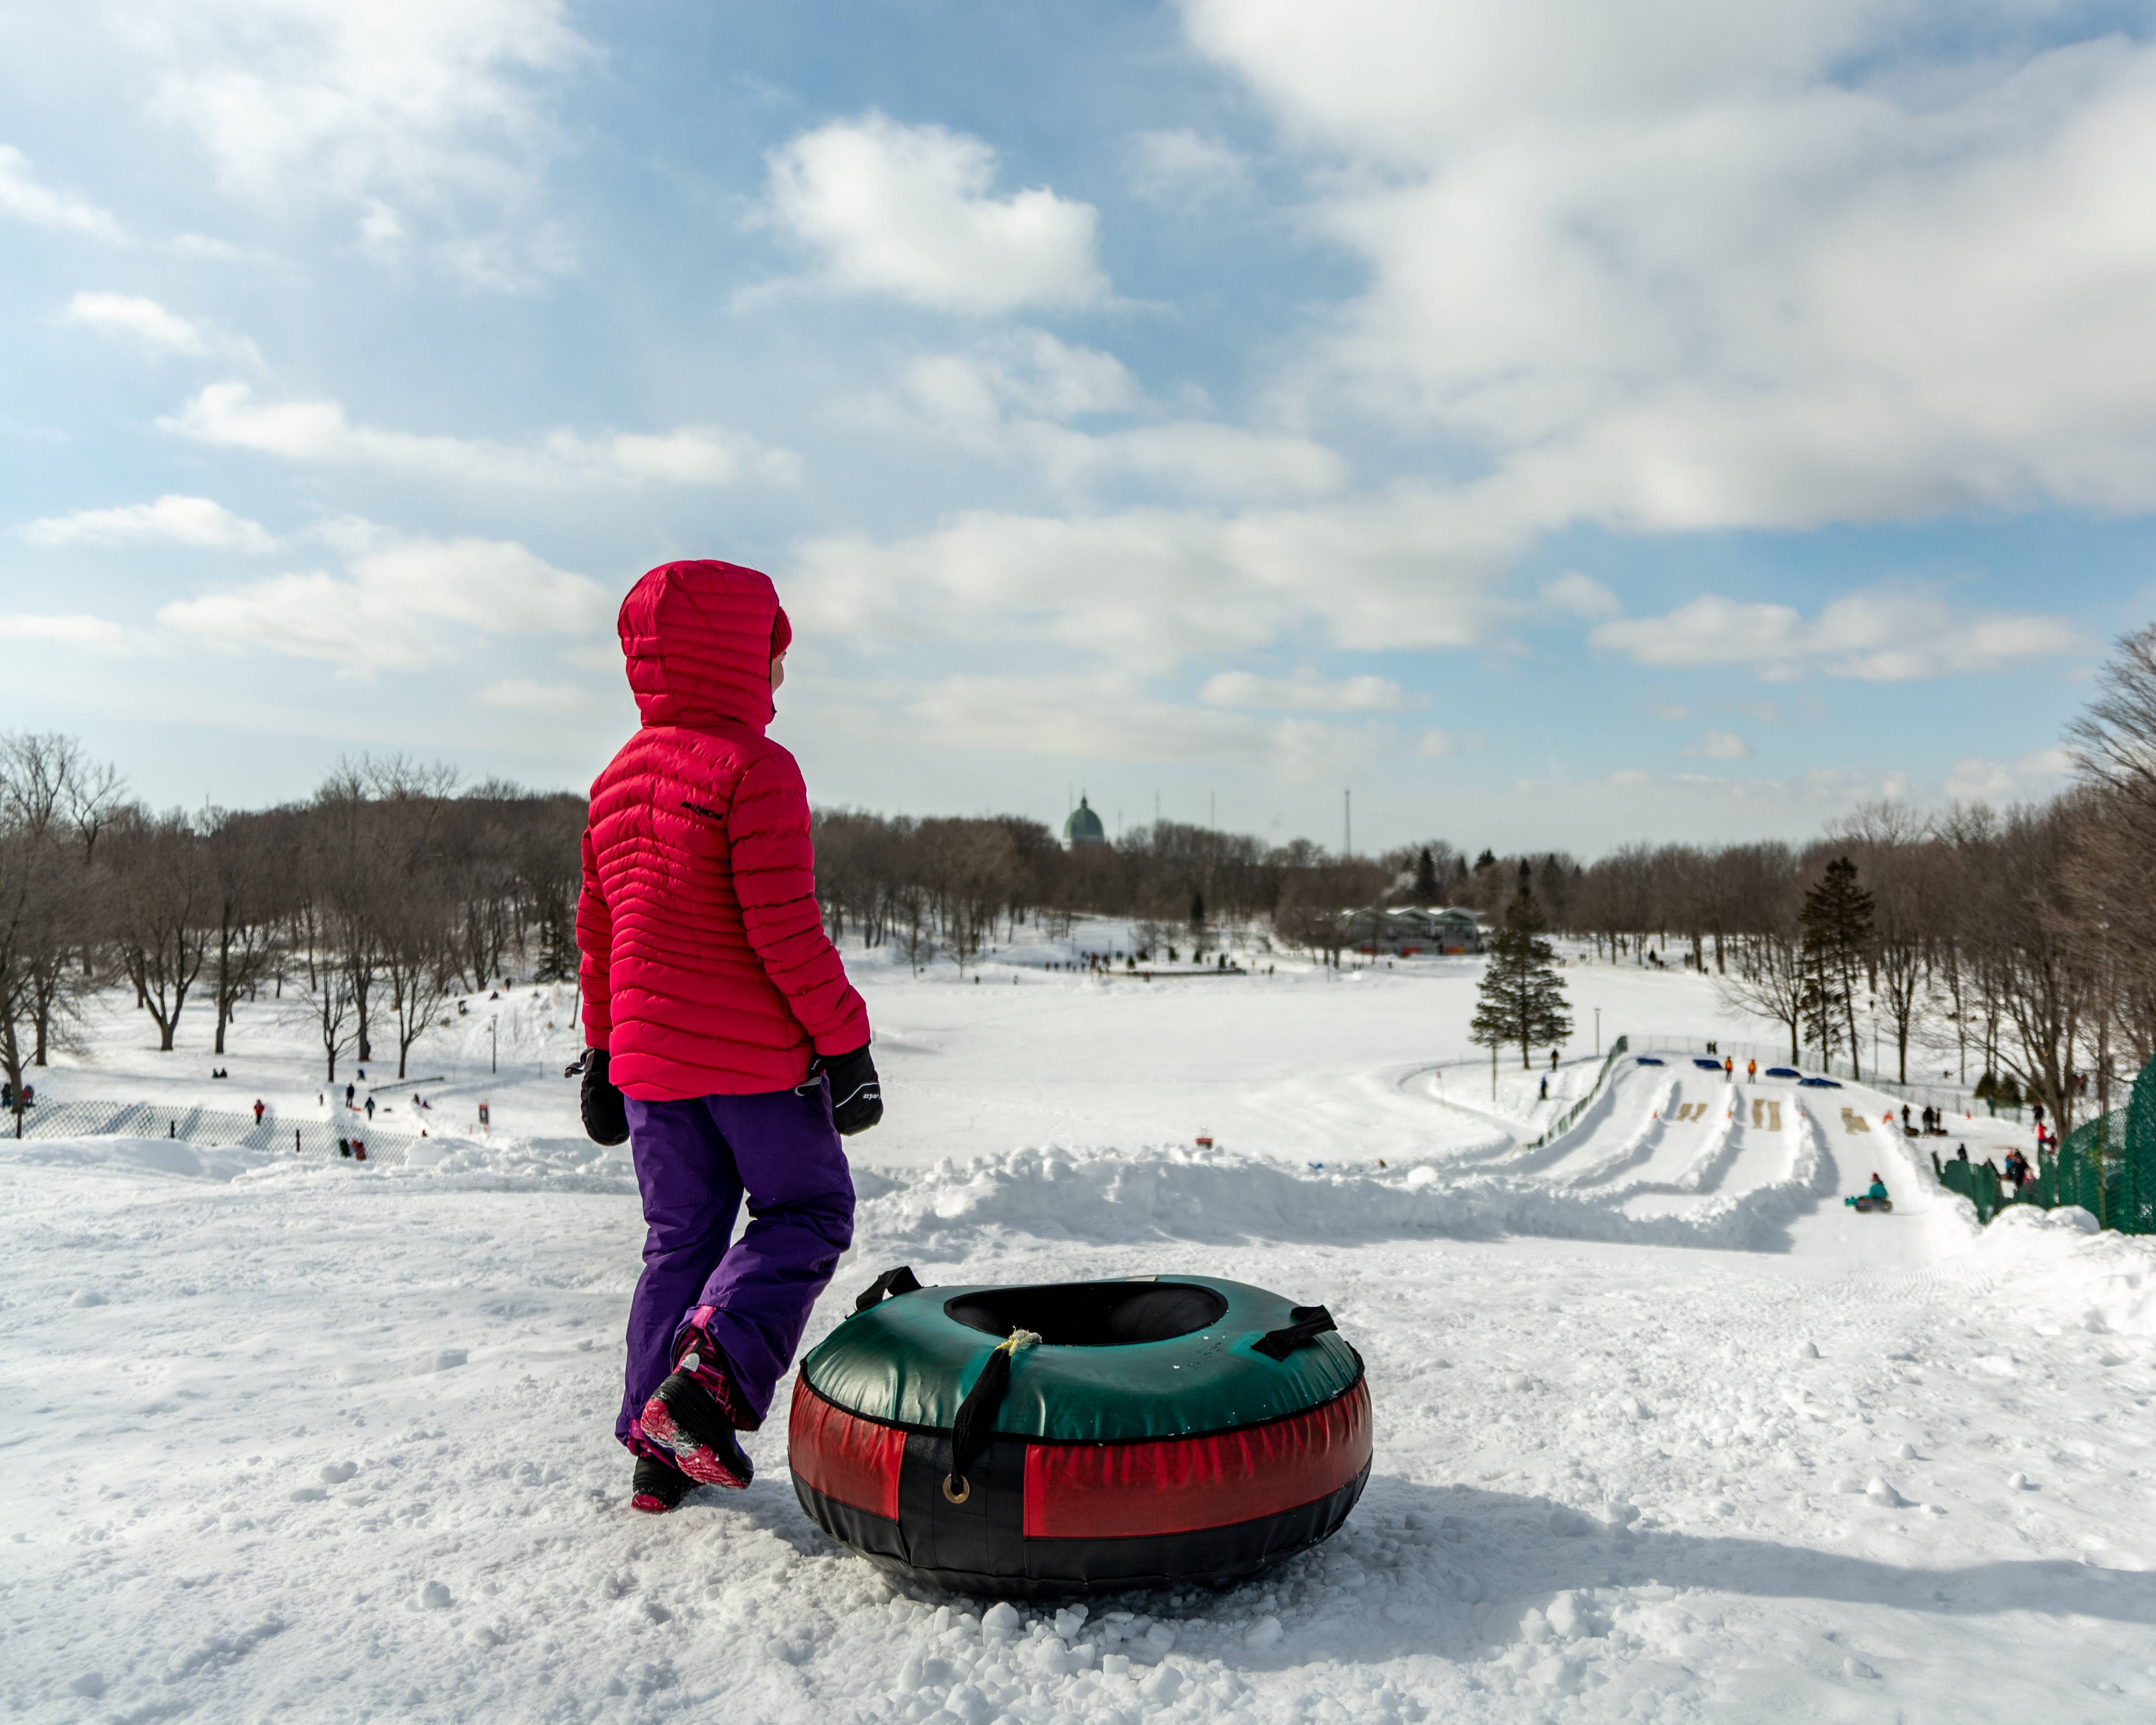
{"x":1544,"y":1096}
{"x":349,"y":1093}
{"x":732,"y":1059}
{"x":1728,"y":1069}
{"x":258,"y":1111}
{"x":1905,"y":1119}
{"x":370,"y":1107}
{"x":482,"y":1114}
{"x":1751,"y":1071}
{"x":1961,"y":1152}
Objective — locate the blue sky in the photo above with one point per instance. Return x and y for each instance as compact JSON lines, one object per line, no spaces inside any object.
{"x":1562,"y":422}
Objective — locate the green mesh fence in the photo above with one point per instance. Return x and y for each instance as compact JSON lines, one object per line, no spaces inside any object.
{"x":2106,"y":1166}
{"x":2137,"y":1173}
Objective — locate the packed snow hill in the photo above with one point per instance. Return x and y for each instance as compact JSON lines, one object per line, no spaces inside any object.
{"x":1664,"y":1429}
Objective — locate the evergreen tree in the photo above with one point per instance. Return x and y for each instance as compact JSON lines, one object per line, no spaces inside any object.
{"x":1425,"y":881}
{"x":1521,"y":1000}
{"x":1487,"y":859}
{"x":1197,"y":906}
{"x":1837,"y":920}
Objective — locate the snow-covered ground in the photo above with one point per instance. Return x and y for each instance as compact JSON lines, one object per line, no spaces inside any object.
{"x":1664,"y":1430}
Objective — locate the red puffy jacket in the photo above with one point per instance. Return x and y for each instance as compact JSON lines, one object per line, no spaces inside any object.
{"x":705,"y":969}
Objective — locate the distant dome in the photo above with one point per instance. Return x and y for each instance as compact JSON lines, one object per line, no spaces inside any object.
{"x":1084,"y":827}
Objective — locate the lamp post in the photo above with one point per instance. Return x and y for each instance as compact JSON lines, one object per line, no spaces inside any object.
{"x":1598,"y":1031}
{"x":493,"y":1046}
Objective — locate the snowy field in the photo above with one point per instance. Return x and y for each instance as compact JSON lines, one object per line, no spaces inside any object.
{"x":1664,"y":1431}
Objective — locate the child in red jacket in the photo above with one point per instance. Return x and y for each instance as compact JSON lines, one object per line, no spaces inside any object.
{"x":724,"y":1040}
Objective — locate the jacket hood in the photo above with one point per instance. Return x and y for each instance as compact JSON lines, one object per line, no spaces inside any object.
{"x":700,"y":637}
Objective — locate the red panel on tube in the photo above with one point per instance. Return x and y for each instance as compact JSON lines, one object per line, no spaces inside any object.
{"x":1116,"y":1490}
{"x":852,"y":1460}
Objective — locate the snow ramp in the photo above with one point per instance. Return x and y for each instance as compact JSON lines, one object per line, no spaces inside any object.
{"x":1672,"y":1150}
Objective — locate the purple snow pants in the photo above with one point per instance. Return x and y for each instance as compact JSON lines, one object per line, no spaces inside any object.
{"x":695,"y":1162}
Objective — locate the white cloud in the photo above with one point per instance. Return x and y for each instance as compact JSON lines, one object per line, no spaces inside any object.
{"x":1111,"y":717}
{"x":1008,"y":401}
{"x":1818,"y":787}
{"x":173,"y":518}
{"x":521,"y":695}
{"x":1030,"y":371}
{"x":22,"y":197}
{"x":227,"y":415}
{"x":1881,"y":635}
{"x":1974,"y":778}
{"x":1151,"y":589}
{"x":132,"y":314}
{"x":435,"y":111}
{"x":204,"y":246}
{"x":1716,"y":266}
{"x":382,"y":611}
{"x":1192,"y":454}
{"x":94,"y":634}
{"x":1305,"y":691}
{"x":1720,"y":746}
{"x":302,"y":96}
{"x":1187,"y":164}
{"x":1581,"y":595}
{"x":907,"y":211}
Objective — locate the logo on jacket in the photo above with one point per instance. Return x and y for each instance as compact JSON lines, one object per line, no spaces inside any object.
{"x":699,"y":809}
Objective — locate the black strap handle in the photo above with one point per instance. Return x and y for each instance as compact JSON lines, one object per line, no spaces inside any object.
{"x":900,"y":1281}
{"x":1311,"y":1321}
{"x":972,"y":1430}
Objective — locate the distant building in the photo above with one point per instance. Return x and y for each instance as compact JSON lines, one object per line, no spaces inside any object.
{"x":1405,"y":932}
{"x":1083,"y":827}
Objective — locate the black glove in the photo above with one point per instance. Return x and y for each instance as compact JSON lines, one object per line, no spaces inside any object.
{"x":606,"y":1119}
{"x":856,"y":1096}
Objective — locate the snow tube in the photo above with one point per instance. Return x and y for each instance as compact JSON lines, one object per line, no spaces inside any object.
{"x":1079,"y":1437}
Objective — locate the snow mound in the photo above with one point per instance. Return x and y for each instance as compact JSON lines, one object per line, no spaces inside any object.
{"x":2057,"y":1259}
{"x":174,"y":1157}
{"x":1105,"y":1197}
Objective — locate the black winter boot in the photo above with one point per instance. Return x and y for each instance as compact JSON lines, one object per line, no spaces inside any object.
{"x":696,"y":1414}
{"x":658,"y":1487}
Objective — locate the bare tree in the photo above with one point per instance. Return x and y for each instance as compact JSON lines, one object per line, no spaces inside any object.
{"x":1894,"y":848}
{"x":1770,"y":981}
{"x":248,"y":868}
{"x":164,"y":901}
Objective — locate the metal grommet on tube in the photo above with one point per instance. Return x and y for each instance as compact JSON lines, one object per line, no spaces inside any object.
{"x":956,"y":1489}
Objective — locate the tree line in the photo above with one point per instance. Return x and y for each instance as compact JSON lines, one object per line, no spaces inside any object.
{"x":2017,"y":941}
{"x":376,"y":900}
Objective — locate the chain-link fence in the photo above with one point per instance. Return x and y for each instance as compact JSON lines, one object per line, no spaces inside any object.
{"x":1565,"y":1121}
{"x":1947,"y":1096}
{"x":2106,"y":1166}
{"x":216,"y":1128}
